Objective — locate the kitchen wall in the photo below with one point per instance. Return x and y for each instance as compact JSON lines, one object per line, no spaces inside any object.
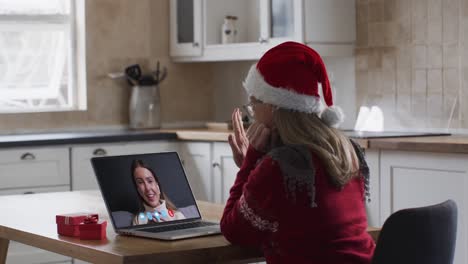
{"x":411,"y":60}
{"x":119,"y":33}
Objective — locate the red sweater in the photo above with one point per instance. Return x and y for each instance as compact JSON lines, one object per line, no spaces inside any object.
{"x":260,"y":212}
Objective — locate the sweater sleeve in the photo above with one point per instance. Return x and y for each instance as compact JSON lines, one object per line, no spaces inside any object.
{"x":251,"y":213}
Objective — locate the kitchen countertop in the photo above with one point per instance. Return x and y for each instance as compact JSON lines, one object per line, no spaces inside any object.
{"x":446,"y":144}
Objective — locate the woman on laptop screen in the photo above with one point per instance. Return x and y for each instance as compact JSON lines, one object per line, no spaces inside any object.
{"x":155,"y":206}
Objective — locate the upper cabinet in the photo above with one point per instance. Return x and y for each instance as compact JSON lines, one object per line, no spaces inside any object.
{"x":186,"y":27}
{"x":253,"y":26}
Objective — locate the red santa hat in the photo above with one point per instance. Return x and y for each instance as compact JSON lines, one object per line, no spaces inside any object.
{"x":288,"y":75}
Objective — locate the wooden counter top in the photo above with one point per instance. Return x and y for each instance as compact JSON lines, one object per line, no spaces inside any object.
{"x":446,"y":144}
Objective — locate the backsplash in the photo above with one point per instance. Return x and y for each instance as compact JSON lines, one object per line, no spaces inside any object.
{"x":119,"y":33}
{"x":411,"y":61}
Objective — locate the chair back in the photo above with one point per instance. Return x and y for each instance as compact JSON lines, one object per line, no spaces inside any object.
{"x":419,"y":235}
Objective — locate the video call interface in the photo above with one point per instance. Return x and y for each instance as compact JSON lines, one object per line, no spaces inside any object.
{"x":145,"y":189}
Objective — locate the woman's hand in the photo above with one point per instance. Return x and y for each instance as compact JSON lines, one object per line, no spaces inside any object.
{"x":239,"y":142}
{"x":258,"y":135}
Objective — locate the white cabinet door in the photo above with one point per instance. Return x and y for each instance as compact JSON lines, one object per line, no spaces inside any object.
{"x":260,"y":25}
{"x":186,"y":27}
{"x":19,"y":253}
{"x":82,"y":173}
{"x":281,"y":20}
{"x":34,"y":167}
{"x":373,"y":206}
{"x":83,"y":177}
{"x":196,"y":158}
{"x":224,"y":171}
{"x":330,"y":26}
{"x":414,"y":179}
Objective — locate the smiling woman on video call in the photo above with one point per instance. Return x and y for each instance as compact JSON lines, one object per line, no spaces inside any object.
{"x":155,"y":206}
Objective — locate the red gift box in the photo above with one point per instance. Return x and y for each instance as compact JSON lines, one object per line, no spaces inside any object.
{"x":68,"y":224}
{"x":93,"y":230}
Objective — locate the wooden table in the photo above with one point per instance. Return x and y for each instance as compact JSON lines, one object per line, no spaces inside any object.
{"x":30,"y":219}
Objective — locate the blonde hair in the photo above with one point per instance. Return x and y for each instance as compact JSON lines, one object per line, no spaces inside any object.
{"x":331,"y":146}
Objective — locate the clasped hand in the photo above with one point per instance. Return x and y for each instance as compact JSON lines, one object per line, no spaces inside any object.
{"x":257,"y":135}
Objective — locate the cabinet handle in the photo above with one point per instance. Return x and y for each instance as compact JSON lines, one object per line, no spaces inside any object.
{"x":28,"y":193}
{"x":28,"y":156}
{"x":195,"y":44}
{"x":215,"y":164}
{"x":262,"y":40}
{"x":99,"y":152}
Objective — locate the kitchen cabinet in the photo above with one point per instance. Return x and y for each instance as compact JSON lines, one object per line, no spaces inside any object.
{"x":83,"y":177}
{"x":224,"y":171}
{"x":373,"y":206}
{"x":330,"y":26}
{"x":196,"y":158}
{"x":186,"y":27}
{"x":34,"y":167}
{"x":34,"y":170}
{"x":261,"y":24}
{"x":210,"y":168}
{"x":414,"y":179}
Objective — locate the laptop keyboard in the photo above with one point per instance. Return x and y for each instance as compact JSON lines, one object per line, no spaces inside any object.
{"x":178,"y":227}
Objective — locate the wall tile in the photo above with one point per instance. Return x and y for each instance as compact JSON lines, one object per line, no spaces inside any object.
{"x":419,"y":30}
{"x":419,"y":85}
{"x":391,"y":34}
{"x":389,"y":60}
{"x":464,"y":94}
{"x":428,"y":55}
{"x":450,"y":55}
{"x":362,"y":61}
{"x":464,"y":8}
{"x":374,"y":59}
{"x":362,"y":13}
{"x":434,"y":9}
{"x":403,"y":9}
{"x":362,"y":35}
{"x":376,"y":11}
{"x":376,"y":34}
{"x":404,"y":79}
{"x":390,"y":10}
{"x":404,"y":57}
{"x":434,"y":56}
{"x":450,"y":21}
{"x":434,"y":31}
{"x":419,"y":9}
{"x":419,"y":56}
{"x":451,"y":90}
{"x":404,"y":31}
{"x":434,"y":82}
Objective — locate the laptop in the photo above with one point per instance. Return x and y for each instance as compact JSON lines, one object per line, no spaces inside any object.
{"x":141,"y":204}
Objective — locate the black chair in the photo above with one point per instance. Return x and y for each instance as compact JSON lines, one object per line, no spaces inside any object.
{"x":424,"y":235}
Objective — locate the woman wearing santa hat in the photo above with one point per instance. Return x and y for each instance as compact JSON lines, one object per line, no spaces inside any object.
{"x":301,"y":189}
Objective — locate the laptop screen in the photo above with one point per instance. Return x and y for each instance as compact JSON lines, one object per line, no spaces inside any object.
{"x":145,"y":189}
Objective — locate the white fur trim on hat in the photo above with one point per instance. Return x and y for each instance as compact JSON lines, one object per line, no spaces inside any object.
{"x":332,"y":116}
{"x":256,"y":86}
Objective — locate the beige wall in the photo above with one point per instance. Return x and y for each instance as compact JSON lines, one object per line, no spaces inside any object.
{"x":119,"y":33}
{"x":411,"y":61}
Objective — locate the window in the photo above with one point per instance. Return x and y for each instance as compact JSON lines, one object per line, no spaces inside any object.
{"x":42,"y":56}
